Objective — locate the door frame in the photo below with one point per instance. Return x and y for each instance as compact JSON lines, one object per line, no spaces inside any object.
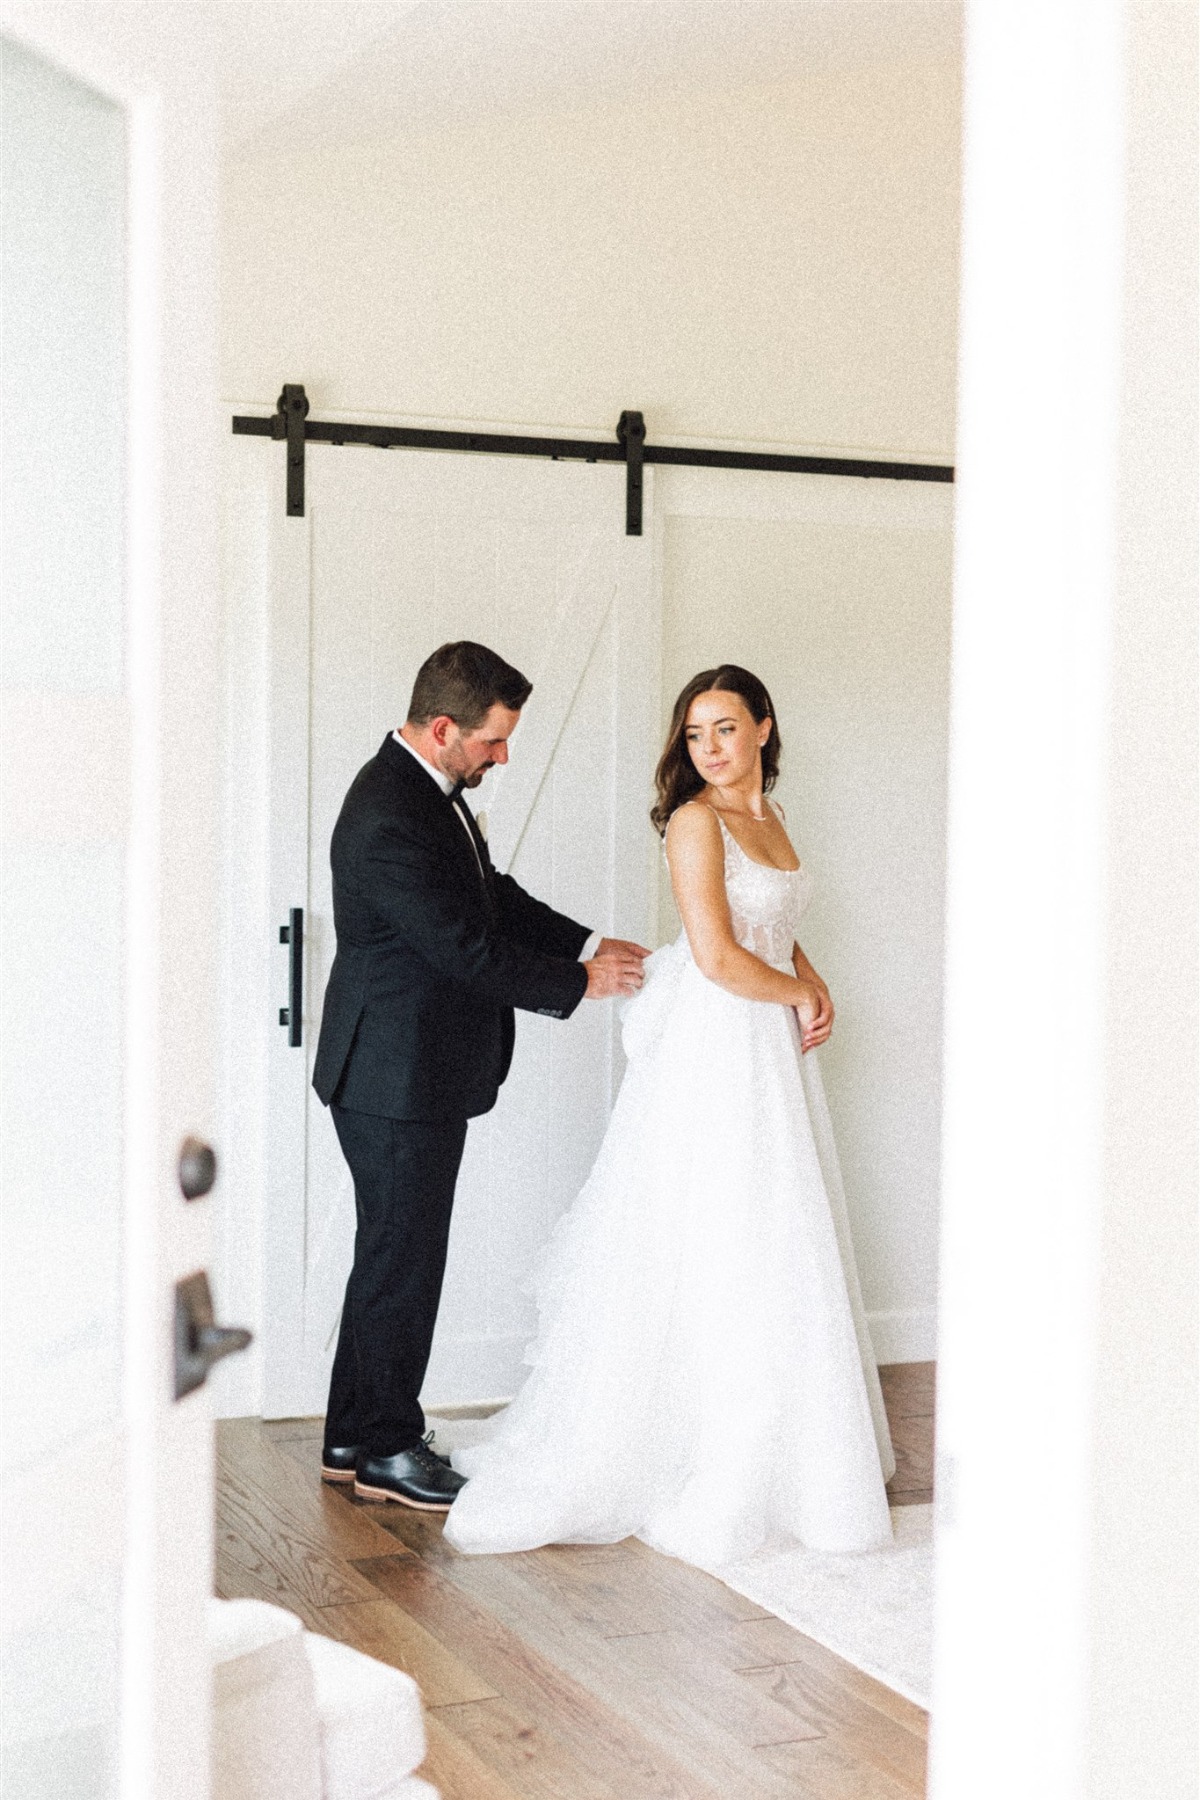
{"x":159,"y":72}
{"x":1064,"y":1660}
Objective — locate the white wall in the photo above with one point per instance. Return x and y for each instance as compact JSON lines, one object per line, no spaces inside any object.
{"x":767,"y":265}
{"x":773,"y":263}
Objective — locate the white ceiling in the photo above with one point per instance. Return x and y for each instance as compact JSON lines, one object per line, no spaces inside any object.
{"x":296,"y":73}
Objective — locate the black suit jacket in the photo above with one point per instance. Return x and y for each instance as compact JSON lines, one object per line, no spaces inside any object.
{"x":431,"y":956}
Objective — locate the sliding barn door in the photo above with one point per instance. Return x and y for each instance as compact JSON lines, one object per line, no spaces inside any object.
{"x":400,"y":552}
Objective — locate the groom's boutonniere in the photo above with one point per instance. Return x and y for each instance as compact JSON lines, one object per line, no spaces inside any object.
{"x":481,"y":821}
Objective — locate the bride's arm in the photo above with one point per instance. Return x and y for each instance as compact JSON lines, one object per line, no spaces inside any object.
{"x":696,"y":857}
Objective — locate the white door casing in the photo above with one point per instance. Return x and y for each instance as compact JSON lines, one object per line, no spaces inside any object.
{"x":400,"y":552}
{"x":109,"y":722}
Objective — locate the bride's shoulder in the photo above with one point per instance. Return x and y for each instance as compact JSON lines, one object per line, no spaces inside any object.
{"x":693,"y":815}
{"x":692,"y":828}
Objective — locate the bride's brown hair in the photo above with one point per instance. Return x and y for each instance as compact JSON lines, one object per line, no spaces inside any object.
{"x":677,"y":778}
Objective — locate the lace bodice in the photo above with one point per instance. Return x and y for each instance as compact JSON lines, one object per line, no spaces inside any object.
{"x":766,"y":905}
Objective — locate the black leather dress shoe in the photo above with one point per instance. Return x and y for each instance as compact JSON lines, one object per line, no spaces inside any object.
{"x":337,"y":1464}
{"x":414,"y":1477}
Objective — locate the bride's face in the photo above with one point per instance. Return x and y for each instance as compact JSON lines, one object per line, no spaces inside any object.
{"x":723,"y":738}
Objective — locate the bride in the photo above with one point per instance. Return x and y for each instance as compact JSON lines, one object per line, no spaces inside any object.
{"x":702,"y":1376}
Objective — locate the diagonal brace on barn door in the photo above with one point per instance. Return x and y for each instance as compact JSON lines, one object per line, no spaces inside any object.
{"x":290,"y":421}
{"x":579,"y":618}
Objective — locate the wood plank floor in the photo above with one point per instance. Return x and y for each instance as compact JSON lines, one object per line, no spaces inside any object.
{"x":580,"y":1673}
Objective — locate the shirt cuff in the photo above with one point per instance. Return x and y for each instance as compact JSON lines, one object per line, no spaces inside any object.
{"x":591,"y":946}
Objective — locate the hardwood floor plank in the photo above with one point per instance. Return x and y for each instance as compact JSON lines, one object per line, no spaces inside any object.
{"x":909,"y":1394}
{"x":281,"y":1537}
{"x":685,"y":1584}
{"x":420,"y":1532}
{"x":660,"y":1663}
{"x":385,"y":1631}
{"x":766,"y":1643}
{"x":455,"y":1770}
{"x":551,"y":1700}
{"x":912,"y":1440}
{"x":284,"y":1431}
{"x":909,"y":1389}
{"x":831,"y":1768}
{"x":285,"y":1490}
{"x":527,"y":1757}
{"x":618,"y":1590}
{"x":868,"y":1735}
{"x":276,"y":1559}
{"x":703,"y":1724}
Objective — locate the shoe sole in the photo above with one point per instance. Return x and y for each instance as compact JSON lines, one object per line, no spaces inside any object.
{"x":374,"y":1493}
{"x":336,"y":1474}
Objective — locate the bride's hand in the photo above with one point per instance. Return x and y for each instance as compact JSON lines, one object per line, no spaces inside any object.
{"x":814,"y":1014}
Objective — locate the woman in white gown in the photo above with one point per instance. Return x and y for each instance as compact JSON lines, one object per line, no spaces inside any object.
{"x":702,"y":1376}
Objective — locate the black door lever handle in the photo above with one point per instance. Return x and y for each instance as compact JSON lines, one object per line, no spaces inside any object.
{"x":199,"y":1340}
{"x":292,"y":1015}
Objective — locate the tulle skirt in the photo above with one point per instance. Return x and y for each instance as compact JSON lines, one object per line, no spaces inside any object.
{"x":702,"y":1375}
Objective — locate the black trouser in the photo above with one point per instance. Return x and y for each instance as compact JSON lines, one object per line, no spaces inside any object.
{"x":404,"y":1174}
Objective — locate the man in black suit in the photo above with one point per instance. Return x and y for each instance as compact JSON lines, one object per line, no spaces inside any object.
{"x":434,"y":950}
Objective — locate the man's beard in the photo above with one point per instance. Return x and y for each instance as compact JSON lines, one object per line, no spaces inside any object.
{"x":473,"y":781}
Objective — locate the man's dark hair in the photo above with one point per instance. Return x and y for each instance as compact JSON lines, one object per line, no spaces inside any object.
{"x":463,"y":682}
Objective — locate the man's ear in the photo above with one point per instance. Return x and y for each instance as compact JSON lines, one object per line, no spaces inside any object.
{"x":439,"y":730}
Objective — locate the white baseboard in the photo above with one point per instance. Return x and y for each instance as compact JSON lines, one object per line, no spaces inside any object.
{"x":906,"y":1334}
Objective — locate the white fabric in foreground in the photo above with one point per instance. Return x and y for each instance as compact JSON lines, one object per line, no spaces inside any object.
{"x":295,"y":1714}
{"x":265,"y":1734}
{"x":372,"y":1732}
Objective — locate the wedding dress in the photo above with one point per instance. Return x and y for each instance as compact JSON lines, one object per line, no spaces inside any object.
{"x":702,"y":1375}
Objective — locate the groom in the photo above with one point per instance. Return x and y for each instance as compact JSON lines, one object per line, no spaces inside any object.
{"x":434,"y":950}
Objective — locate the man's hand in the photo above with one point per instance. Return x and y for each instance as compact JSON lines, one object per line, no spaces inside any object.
{"x":620,"y":947}
{"x":615,"y":969}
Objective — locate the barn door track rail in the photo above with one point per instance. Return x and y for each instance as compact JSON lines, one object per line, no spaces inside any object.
{"x":291,"y":424}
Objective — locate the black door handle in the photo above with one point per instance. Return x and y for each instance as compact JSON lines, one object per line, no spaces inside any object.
{"x":292,"y":1015}
{"x":199,"y":1341}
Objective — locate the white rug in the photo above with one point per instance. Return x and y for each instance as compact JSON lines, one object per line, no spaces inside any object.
{"x":875,"y":1610}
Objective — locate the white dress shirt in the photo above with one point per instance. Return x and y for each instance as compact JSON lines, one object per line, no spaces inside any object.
{"x":447,"y":787}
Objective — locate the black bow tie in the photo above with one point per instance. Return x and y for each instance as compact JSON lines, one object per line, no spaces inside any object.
{"x":455,"y":791}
